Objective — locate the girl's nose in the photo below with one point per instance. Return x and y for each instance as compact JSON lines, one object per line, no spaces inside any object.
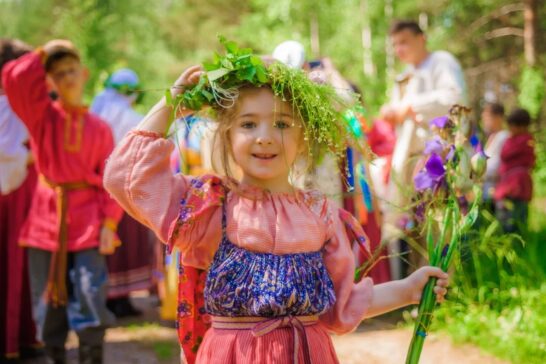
{"x":264,"y":140}
{"x":264,"y":135}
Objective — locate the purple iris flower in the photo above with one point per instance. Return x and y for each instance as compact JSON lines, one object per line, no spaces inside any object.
{"x":432,"y":175}
{"x":434,"y":145}
{"x":440,"y":122}
{"x":420,"y":212}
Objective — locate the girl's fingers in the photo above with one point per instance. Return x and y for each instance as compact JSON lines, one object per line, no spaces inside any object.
{"x":435,"y":272}
{"x":188,"y":76}
{"x":194,"y":77}
{"x":442,"y":282}
{"x":191,"y":70}
{"x":440,"y":293}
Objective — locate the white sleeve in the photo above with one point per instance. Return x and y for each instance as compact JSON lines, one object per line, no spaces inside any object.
{"x":13,"y":152}
{"x":448,"y":89}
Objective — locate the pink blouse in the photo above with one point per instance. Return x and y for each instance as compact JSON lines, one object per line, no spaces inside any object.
{"x":186,"y":212}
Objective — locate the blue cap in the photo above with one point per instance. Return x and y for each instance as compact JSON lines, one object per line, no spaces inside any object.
{"x":124,"y":77}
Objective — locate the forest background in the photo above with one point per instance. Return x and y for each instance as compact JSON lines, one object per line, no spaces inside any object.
{"x":499,"y":296}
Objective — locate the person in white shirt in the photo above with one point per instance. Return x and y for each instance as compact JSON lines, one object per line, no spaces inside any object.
{"x":115,"y":104}
{"x":494,"y":129}
{"x":130,"y":267}
{"x":430,"y":84}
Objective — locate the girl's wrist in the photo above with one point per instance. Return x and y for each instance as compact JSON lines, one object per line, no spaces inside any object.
{"x":407,"y":291}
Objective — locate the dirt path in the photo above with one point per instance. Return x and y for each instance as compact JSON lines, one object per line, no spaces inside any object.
{"x":147,"y":341}
{"x":390,"y":346}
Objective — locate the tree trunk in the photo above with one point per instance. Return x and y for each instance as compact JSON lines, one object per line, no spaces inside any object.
{"x":530,"y":31}
{"x":315,"y":36}
{"x":366,"y":37}
{"x":389,"y":54}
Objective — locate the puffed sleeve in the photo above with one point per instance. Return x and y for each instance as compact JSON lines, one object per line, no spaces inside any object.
{"x":182,"y":211}
{"x":352,"y":298}
{"x":138,"y":177}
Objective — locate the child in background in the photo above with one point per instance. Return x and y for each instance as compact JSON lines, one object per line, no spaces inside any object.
{"x":515,"y":187}
{"x":72,"y":220}
{"x":280,"y":260}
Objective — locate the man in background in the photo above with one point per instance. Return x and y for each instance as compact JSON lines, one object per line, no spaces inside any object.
{"x":429,"y":85}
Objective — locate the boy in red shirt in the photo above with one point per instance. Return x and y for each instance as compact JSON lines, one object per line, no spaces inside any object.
{"x":72,"y":219}
{"x":515,"y":187}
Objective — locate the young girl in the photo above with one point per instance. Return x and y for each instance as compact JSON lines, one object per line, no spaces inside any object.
{"x":280,"y":262}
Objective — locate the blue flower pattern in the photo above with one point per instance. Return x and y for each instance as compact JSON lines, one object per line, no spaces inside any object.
{"x":244,"y":283}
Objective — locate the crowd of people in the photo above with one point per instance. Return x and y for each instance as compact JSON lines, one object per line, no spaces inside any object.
{"x":256,"y":249}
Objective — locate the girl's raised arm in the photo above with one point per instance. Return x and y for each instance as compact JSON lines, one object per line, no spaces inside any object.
{"x":138,"y":173}
{"x":158,"y":118}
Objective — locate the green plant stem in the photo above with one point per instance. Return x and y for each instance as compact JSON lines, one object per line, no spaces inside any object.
{"x":424,"y":318}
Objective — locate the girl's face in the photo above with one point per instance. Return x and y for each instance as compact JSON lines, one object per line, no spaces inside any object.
{"x":266,"y":138}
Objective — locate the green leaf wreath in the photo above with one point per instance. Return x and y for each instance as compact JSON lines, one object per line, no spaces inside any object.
{"x":318,"y":105}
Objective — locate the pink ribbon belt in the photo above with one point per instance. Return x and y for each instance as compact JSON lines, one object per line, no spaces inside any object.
{"x":262,"y":325}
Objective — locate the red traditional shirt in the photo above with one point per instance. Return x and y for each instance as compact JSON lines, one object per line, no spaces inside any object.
{"x":516,"y":166}
{"x":70,"y":146}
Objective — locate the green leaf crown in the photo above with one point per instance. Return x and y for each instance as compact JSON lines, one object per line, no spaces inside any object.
{"x":318,"y":105}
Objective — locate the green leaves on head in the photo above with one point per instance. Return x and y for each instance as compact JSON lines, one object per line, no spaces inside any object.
{"x":318,"y":106}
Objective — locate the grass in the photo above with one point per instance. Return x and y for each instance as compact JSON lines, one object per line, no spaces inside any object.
{"x":165,"y":350}
{"x":516,"y":333}
{"x":498,"y":298}
{"x":151,"y":335}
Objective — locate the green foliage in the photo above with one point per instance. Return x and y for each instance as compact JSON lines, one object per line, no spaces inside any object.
{"x":515,"y":332}
{"x":539,"y":175}
{"x":532,"y":90}
{"x":498,"y":298}
{"x":223,"y":76}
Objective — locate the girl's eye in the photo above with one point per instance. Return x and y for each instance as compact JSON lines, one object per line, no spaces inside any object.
{"x":282,"y":124}
{"x":248,"y":124}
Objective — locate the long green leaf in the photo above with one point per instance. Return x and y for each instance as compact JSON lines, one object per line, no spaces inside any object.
{"x":217,"y":73}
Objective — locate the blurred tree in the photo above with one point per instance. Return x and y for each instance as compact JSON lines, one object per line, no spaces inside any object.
{"x":159,"y":39}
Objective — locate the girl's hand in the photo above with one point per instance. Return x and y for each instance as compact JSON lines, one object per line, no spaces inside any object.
{"x":417,"y":280}
{"x":189,"y":77}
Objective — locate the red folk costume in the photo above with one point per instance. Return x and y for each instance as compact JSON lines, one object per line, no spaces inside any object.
{"x":517,"y":163}
{"x":70,"y":146}
{"x":17,"y":328}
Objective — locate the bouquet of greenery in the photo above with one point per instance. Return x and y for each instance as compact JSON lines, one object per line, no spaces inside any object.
{"x":445,"y":184}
